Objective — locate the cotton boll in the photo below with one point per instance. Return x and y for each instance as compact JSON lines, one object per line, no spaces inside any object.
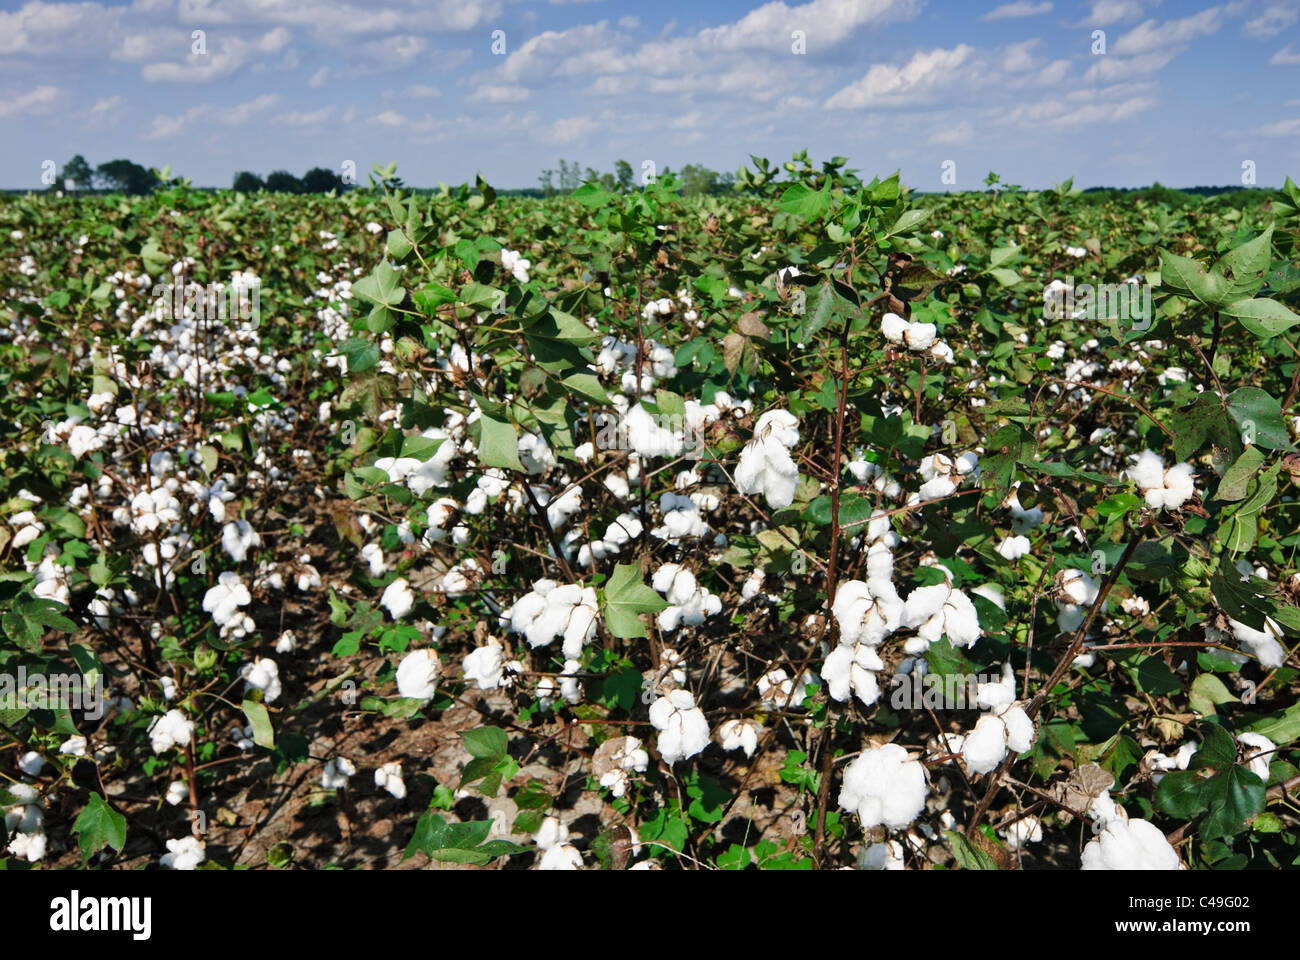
{"x":561,"y":858}
{"x":1020,"y":730}
{"x":1013,"y":548}
{"x":1262,"y":643}
{"x":286,"y":643}
{"x":31,"y":763}
{"x":1131,"y":845}
{"x":184,"y":854}
{"x":373,"y":555}
{"x":177,"y":792}
{"x":1022,"y":832}
{"x":920,"y":336}
{"x":74,"y":746}
{"x":739,"y":735}
{"x":485,"y":665}
{"x":263,"y":674}
{"x":336,"y":773}
{"x":868,"y":612}
{"x":893,"y":327}
{"x":389,"y":777}
{"x":238,"y":538}
{"x":882,"y":856}
{"x":170,"y":730}
{"x":884,"y":787}
{"x":683,"y":729}
{"x":398,"y":599}
{"x":225,"y":598}
{"x":1259,"y":751}
{"x":985,"y":746}
{"x":417,"y":675}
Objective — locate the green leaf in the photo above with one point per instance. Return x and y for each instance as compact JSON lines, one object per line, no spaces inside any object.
{"x":1236,"y":478}
{"x":260,"y":720}
{"x":1155,"y":677}
{"x":487,"y":743}
{"x":1208,"y":692}
{"x":1256,"y":413}
{"x":498,"y":444}
{"x":382,"y":286}
{"x":968,"y":855}
{"x":586,"y":385}
{"x":98,"y":826}
{"x":1179,"y":794}
{"x":804,"y":202}
{"x":1263,"y":317}
{"x":625,"y":597}
{"x":1232,"y":798}
{"x":1243,"y":269}
{"x":1205,"y":419}
{"x":1189,"y":278}
{"x":910,"y":220}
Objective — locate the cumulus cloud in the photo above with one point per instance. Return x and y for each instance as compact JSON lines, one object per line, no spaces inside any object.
{"x":1275,"y":18}
{"x":229,"y":54}
{"x":1014,"y":11}
{"x":1284,"y":58}
{"x":37,"y":100}
{"x":166,"y":127}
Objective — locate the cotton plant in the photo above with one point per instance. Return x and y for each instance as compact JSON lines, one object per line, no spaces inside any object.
{"x":489,"y":667}
{"x":1004,"y":727}
{"x":418,"y":673}
{"x":939,"y":610}
{"x":1075,"y":593}
{"x":739,"y":734}
{"x":557,"y":853}
{"x":917,"y":337}
{"x":689,"y":603}
{"x":616,"y":759}
{"x":388,"y":777}
{"x":551,"y":610}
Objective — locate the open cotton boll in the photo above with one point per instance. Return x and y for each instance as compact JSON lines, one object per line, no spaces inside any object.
{"x":884,"y":786}
{"x":486,"y":665}
{"x":1259,"y":751}
{"x":683,"y":729}
{"x":398,"y":599}
{"x":31,"y":763}
{"x":184,"y":854}
{"x":177,"y":792}
{"x":868,"y":612}
{"x":286,"y":642}
{"x":373,"y":555}
{"x":389,"y":777}
{"x":765,"y":465}
{"x":263,"y":674}
{"x":882,"y":856}
{"x":1013,"y":548}
{"x":224,"y":599}
{"x":851,"y":668}
{"x":417,"y":674}
{"x":985,"y":746}
{"x":937,"y":610}
{"x":1162,"y":489}
{"x":614,"y":759}
{"x":238,"y":538}
{"x":1262,"y":643}
{"x":893,"y":327}
{"x":336,"y":773}
{"x":170,"y":730}
{"x":919,"y":337}
{"x":563,"y":857}
{"x":1130,"y":845}
{"x":739,"y":735}
{"x":1077,"y":587}
{"x":1024,"y":831}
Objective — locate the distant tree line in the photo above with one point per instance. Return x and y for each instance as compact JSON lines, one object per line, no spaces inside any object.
{"x":696,"y":179}
{"x":315,"y":180}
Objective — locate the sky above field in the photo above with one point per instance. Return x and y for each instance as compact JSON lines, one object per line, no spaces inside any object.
{"x":1177,"y":91}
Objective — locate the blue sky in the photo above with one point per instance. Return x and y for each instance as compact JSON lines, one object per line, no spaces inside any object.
{"x":1185,"y":92}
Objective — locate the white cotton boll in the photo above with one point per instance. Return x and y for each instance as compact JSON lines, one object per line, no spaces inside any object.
{"x":184,"y":854}
{"x":485,"y":665}
{"x":238,"y":538}
{"x":398,"y":599}
{"x":336,"y":773}
{"x":675,"y":582}
{"x":373,"y":555}
{"x":1078,"y":587}
{"x":1069,"y":617}
{"x":31,"y":763}
{"x":1259,"y":753}
{"x":1262,"y":643}
{"x":1131,"y":845}
{"x":999,"y":695}
{"x":225,"y":598}
{"x":83,"y":440}
{"x":389,"y":777}
{"x":991,"y":592}
{"x":739,"y":735}
{"x":551,"y":834}
{"x":177,"y":792}
{"x":920,"y":336}
{"x":985,"y":746}
{"x":263,"y":674}
{"x":867,"y":612}
{"x":617,"y":484}
{"x":1022,"y":832}
{"x":942,"y":352}
{"x":882,"y":856}
{"x":563,"y":857}
{"x":893,"y":327}
{"x":1013,"y":548}
{"x":884,"y":787}
{"x":851,"y":669}
{"x":683,"y":729}
{"x":74,"y":746}
{"x":417,"y":675}
{"x":1161,"y":488}
{"x":1020,"y":730}
{"x":286,"y":642}
{"x":170,"y":730}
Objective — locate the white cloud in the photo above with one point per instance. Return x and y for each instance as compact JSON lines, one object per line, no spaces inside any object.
{"x":568,"y":129}
{"x":107,"y":104}
{"x":1284,"y":58}
{"x":299,"y":118}
{"x":389,"y":118}
{"x":961,"y":132}
{"x":1153,"y":35}
{"x":1275,"y":18}
{"x":1113,"y":69}
{"x":1106,"y":12}
{"x":319,"y":78}
{"x":37,"y":100}
{"x":1283,"y":128}
{"x":421,"y":91}
{"x":499,"y":93}
{"x":1013,"y":11}
{"x":916,"y":81}
{"x":166,"y":127}
{"x":230,"y":54}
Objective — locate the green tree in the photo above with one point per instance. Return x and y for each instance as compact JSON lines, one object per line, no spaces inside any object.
{"x":547,"y":180}
{"x":282,"y":181}
{"x":623,"y":175}
{"x":125,"y":176}
{"x":246,"y":182}
{"x":320,"y":180}
{"x":79,"y":172}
